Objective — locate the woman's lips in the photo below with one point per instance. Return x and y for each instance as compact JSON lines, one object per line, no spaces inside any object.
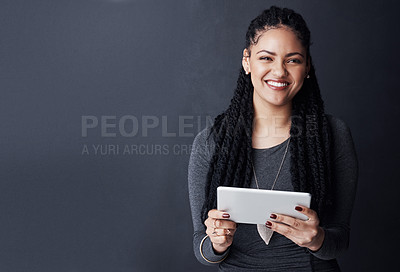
{"x":278,"y":86}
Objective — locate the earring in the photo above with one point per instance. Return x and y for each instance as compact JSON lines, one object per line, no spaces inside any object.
{"x":308,"y":76}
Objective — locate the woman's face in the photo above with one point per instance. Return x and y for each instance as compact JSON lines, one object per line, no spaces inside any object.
{"x":277,"y":65}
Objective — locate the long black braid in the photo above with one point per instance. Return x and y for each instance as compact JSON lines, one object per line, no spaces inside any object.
{"x":311,"y":136}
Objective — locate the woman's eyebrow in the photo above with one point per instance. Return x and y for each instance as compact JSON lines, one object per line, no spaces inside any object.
{"x":287,"y":55}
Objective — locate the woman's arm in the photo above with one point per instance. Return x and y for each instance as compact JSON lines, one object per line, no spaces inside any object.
{"x":197,"y":177}
{"x":345,"y":169}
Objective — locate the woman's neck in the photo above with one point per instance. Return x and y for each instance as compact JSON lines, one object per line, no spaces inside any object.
{"x":270,"y":120}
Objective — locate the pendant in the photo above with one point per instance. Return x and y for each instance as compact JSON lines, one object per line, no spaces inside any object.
{"x":265,"y":233}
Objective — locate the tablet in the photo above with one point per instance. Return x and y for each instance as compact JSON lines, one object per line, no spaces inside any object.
{"x":254,"y":206}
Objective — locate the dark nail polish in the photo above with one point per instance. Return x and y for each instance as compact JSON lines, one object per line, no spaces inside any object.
{"x":226,"y":215}
{"x":298,"y":208}
{"x":273,"y":216}
{"x":268,"y":224}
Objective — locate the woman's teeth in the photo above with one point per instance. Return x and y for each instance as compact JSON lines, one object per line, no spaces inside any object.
{"x":277,"y":84}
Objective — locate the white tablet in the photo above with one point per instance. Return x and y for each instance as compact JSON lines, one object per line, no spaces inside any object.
{"x":254,"y":206}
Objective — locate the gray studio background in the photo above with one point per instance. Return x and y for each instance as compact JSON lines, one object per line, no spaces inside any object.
{"x":62,"y":209}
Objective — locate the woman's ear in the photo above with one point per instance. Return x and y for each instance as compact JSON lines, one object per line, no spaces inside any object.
{"x":246,"y":61}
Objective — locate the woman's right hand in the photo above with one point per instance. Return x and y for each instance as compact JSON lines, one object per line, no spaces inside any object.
{"x":220,"y":230}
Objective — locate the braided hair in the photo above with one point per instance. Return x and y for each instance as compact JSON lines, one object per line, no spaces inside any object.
{"x":311,"y":161}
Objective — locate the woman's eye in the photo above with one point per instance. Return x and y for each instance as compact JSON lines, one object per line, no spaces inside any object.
{"x":295,"y":60}
{"x":265,"y":58}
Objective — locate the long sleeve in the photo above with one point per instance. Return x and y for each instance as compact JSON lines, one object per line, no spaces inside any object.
{"x":345,"y":169}
{"x":197,"y":177}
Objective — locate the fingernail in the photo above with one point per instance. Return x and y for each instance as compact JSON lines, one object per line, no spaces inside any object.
{"x":273,"y":216}
{"x":298,"y":208}
{"x":226,"y":215}
{"x":268,"y":224}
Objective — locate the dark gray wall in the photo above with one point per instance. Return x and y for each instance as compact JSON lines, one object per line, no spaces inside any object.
{"x":61,"y":210}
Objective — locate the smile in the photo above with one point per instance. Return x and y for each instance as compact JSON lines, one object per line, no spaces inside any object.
{"x":277,"y":85}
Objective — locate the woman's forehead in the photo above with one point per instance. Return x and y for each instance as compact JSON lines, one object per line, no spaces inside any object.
{"x":278,"y":40}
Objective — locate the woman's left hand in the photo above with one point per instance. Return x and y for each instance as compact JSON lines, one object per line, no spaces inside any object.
{"x":305,"y":233}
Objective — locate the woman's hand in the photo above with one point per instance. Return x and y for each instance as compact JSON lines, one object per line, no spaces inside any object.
{"x":304,"y":233}
{"x":220,"y":230}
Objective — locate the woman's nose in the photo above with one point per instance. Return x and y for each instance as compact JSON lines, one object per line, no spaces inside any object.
{"x":279,"y":69}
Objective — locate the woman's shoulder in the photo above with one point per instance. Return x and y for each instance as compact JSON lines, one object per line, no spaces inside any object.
{"x":340,"y":129}
{"x":203,"y":142}
{"x":341,"y":134}
{"x":203,"y":137}
{"x":336,"y":123}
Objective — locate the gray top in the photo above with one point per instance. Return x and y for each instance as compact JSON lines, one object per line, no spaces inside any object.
{"x":248,"y":251}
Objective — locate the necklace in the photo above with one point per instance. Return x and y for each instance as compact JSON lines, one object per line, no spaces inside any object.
{"x":263,"y":231}
{"x":279,"y":170}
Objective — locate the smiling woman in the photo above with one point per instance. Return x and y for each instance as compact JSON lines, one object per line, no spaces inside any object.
{"x":313,"y":152}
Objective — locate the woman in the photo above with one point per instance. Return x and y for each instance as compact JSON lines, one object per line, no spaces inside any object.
{"x":275,"y":134}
